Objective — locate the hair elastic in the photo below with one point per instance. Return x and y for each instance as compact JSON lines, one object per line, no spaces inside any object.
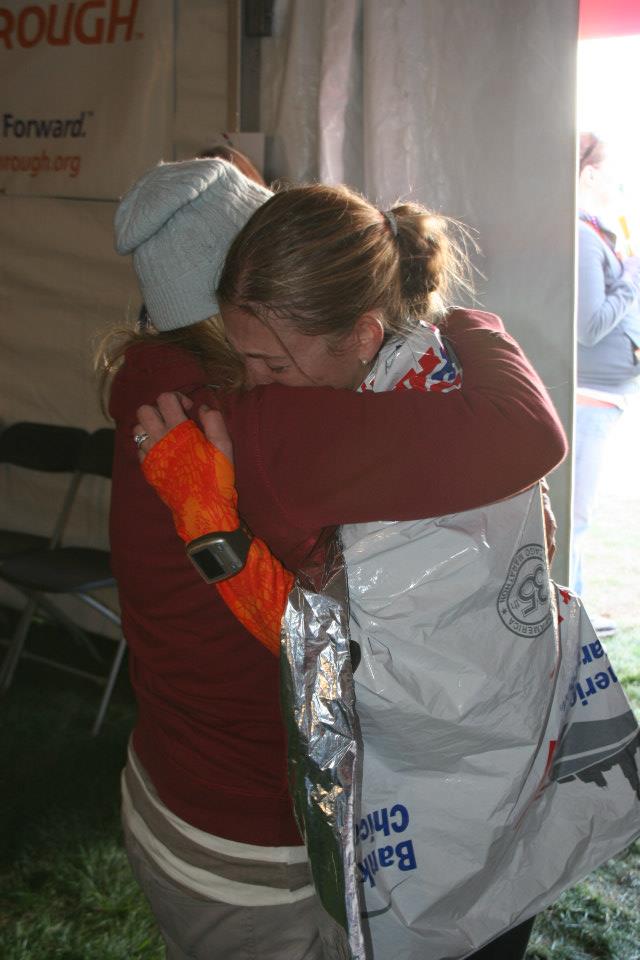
{"x":392,"y":221}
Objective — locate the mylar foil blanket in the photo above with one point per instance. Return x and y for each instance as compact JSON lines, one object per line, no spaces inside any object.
{"x":479,"y":759}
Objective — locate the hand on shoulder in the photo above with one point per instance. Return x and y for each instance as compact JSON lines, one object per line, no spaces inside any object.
{"x":157,"y":420}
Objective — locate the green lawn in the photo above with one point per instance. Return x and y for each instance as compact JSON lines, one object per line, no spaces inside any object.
{"x":66,"y":892}
{"x":65,"y":888}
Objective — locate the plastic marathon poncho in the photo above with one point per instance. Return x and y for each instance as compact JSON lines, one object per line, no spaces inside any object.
{"x":461,"y":750}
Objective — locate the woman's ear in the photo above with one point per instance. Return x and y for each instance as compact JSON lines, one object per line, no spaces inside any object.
{"x":369,"y":334}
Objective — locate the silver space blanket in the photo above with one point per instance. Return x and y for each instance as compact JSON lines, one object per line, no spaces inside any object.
{"x":461,"y":750}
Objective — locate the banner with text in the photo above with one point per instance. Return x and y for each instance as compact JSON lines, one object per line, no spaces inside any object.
{"x":87,"y":95}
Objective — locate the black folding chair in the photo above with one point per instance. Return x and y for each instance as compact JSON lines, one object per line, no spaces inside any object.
{"x":67,"y":570}
{"x":46,"y":448}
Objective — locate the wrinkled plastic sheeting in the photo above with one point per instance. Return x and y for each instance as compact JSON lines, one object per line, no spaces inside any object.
{"x":324,"y":737}
{"x":493,"y":760}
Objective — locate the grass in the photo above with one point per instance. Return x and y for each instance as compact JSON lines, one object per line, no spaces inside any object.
{"x":92,"y":908}
{"x":66,"y":892}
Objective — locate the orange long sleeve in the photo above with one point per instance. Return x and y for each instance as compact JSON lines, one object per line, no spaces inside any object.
{"x":196,"y":481}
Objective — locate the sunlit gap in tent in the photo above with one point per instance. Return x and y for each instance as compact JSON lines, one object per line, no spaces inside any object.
{"x":608,"y":88}
{"x":607,"y":92}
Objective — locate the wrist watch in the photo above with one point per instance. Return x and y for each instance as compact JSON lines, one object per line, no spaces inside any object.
{"x":217,"y":556}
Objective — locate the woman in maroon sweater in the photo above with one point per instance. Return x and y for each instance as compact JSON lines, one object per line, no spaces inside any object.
{"x":205,"y":785}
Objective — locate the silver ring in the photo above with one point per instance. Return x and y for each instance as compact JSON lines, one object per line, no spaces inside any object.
{"x":140,"y":438}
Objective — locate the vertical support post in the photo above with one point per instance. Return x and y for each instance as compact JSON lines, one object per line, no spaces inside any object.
{"x":234,"y":64}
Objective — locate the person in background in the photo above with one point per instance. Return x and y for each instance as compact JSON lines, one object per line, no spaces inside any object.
{"x":208,"y":822}
{"x":238,"y":159}
{"x":608,"y":335}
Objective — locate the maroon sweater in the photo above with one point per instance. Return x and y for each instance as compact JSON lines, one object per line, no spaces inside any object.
{"x":209,"y":731}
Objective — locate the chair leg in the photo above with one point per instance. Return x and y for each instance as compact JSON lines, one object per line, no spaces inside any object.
{"x":16,"y":646}
{"x":111,"y":680}
{"x":78,"y":634}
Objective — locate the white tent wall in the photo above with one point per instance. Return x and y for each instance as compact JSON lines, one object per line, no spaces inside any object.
{"x":468,"y":106}
{"x":465,"y":104}
{"x":202,"y":49}
{"x":62,"y":288}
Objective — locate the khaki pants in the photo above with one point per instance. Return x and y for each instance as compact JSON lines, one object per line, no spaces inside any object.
{"x":198,"y":929}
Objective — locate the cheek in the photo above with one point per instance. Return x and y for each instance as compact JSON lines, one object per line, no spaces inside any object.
{"x":257,"y":374}
{"x":294,"y":378}
{"x":345,"y":371}
{"x":330,"y":368}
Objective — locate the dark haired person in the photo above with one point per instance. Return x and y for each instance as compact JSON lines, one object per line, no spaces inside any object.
{"x":237,"y":158}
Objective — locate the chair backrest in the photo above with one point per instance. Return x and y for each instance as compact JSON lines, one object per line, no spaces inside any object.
{"x":42,"y":446}
{"x":48,"y":448}
{"x":96,"y":454}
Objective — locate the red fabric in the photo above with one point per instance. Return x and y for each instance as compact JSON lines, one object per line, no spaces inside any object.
{"x":608,"y":18}
{"x":326,"y":457}
{"x":209,"y":732}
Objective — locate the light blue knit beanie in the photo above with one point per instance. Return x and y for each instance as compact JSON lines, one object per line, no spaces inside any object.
{"x":178,"y":221}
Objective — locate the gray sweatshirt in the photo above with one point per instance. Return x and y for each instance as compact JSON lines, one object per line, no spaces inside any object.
{"x":608,"y":316}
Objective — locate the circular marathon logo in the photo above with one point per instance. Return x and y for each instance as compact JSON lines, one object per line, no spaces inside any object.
{"x":524,"y":603}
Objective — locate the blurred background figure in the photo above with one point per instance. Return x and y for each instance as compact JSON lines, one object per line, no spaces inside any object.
{"x":238,"y":159}
{"x":608,"y":334}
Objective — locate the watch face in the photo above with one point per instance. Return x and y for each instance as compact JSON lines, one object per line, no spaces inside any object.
{"x":209,"y":564}
{"x":215,"y":559}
